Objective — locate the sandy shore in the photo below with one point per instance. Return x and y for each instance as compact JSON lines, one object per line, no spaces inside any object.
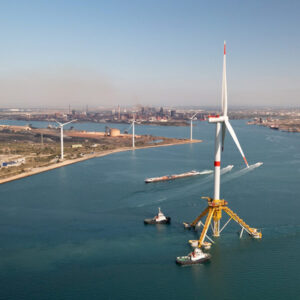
{"x":86,"y":157}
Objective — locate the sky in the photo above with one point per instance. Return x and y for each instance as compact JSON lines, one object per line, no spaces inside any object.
{"x":148,"y":52}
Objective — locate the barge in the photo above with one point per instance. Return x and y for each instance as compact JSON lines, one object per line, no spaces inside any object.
{"x":176,"y":176}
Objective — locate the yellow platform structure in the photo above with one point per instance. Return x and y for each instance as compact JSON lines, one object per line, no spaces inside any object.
{"x":213,"y":213}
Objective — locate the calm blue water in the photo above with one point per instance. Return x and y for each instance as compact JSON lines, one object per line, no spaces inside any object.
{"x":77,"y":232}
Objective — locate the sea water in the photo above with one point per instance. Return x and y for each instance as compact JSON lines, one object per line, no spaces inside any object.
{"x":77,"y":232}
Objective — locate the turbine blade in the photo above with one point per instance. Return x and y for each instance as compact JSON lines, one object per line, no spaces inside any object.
{"x":224,"y":85}
{"x":223,"y":135}
{"x":68,"y":122}
{"x":57,"y":122}
{"x":234,"y":137}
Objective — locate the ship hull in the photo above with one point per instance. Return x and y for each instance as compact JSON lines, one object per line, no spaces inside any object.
{"x":186,"y":261}
{"x":176,"y":176}
{"x":151,"y":221}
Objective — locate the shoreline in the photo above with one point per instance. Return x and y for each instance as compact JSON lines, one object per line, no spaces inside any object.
{"x":179,"y":123}
{"x":39,"y":170}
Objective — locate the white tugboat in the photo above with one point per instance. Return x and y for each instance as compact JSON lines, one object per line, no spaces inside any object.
{"x":195,"y":257}
{"x":159,"y":219}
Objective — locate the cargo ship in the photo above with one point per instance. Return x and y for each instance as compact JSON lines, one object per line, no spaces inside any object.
{"x":176,"y":176}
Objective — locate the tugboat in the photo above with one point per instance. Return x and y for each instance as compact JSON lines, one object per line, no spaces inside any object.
{"x":159,"y":219}
{"x":195,"y":257}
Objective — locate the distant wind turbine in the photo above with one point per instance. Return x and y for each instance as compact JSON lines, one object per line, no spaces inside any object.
{"x":133,"y":134}
{"x":61,"y":126}
{"x":192,"y":119}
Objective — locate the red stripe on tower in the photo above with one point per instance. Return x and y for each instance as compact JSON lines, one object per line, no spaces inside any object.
{"x":217,"y":163}
{"x":224,"y":48}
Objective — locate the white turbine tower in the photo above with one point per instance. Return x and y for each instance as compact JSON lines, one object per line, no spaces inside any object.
{"x":222,"y":122}
{"x":133,"y":134}
{"x":191,"y":131}
{"x":61,"y":126}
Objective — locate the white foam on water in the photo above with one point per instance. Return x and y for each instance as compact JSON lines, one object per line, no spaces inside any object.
{"x":210,"y":177}
{"x":226,"y":169}
{"x":243,"y":171}
{"x":254,"y":166}
{"x":152,"y":202}
{"x":206,"y":172}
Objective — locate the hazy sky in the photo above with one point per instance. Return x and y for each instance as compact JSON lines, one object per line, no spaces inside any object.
{"x":148,"y":52}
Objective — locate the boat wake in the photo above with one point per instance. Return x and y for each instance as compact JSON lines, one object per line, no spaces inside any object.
{"x":226,"y":169}
{"x":251,"y":167}
{"x":254,"y":166}
{"x":243,"y":171}
{"x":211,"y":175}
{"x":204,"y":172}
{"x":152,"y":202}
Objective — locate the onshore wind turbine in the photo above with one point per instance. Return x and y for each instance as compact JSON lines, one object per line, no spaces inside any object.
{"x":192,"y":119}
{"x":215,"y":204}
{"x":61,"y":126}
{"x":133,"y":134}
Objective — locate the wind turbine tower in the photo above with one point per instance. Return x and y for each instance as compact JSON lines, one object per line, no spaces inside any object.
{"x":133,"y":133}
{"x":216,"y":205}
{"x":61,"y":126}
{"x":191,"y":131}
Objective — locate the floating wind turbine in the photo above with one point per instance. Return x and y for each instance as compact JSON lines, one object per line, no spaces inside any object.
{"x":215,"y":204}
{"x":61,"y":126}
{"x":192,"y":119}
{"x":222,"y":123}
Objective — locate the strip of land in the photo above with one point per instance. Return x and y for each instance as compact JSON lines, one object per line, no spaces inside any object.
{"x":67,"y":162}
{"x":287,"y":124}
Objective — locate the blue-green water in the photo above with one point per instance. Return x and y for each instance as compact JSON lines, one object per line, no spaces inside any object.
{"x":77,"y":232}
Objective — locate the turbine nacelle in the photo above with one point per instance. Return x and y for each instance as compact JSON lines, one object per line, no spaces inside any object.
{"x":217,"y":119}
